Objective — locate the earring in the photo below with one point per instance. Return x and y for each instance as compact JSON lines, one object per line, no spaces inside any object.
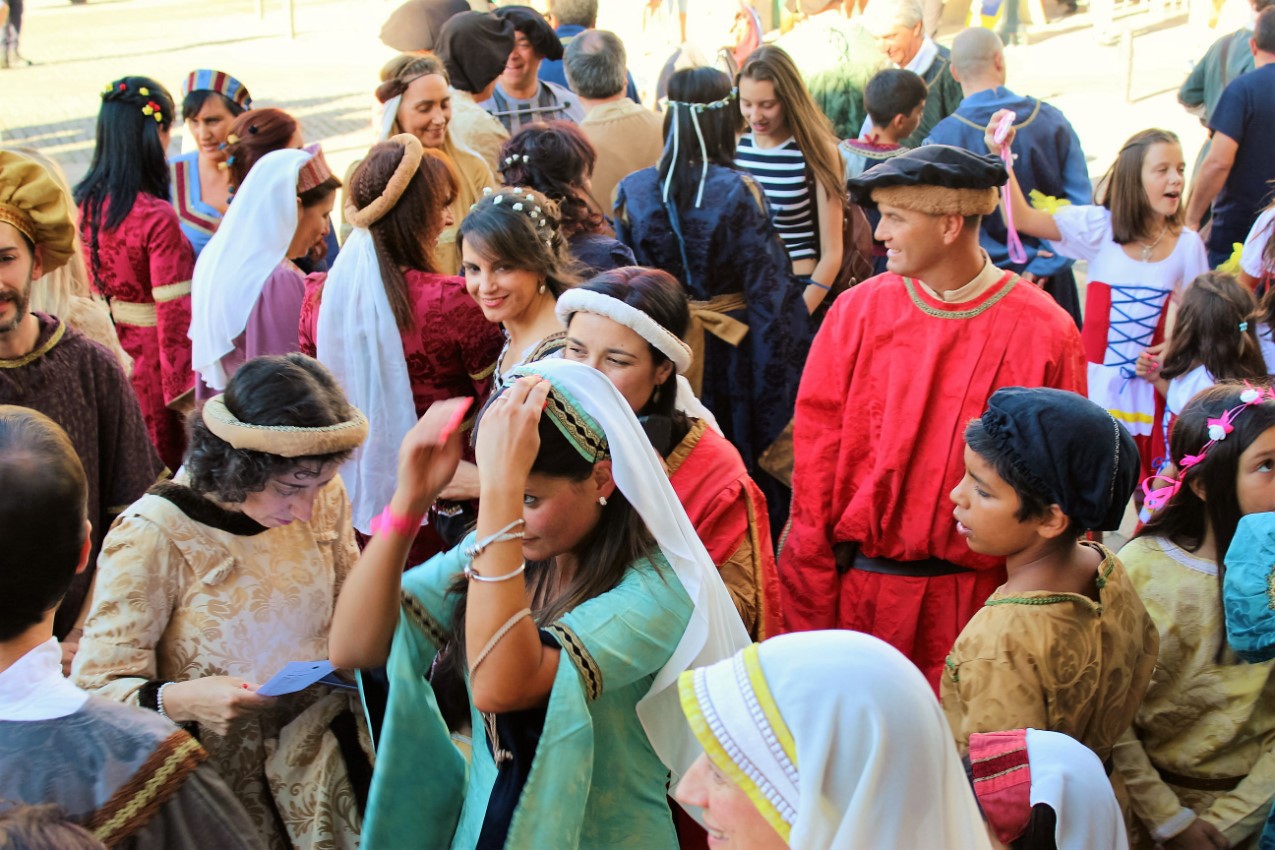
{"x":655,"y":394}
{"x":602,"y":500}
{"x":541,"y":289}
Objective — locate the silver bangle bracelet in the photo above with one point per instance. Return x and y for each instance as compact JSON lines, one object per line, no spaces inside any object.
{"x":159,"y":700}
{"x":505,"y":534}
{"x":473,"y":576}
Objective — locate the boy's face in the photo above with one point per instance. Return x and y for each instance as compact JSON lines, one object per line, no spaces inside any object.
{"x":986,"y":511}
{"x":906,"y":124}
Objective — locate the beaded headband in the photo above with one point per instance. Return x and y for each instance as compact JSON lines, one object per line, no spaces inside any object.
{"x":150,"y":108}
{"x":206,"y":79}
{"x":581,"y":430}
{"x":524,"y":201}
{"x":695,"y":109}
{"x":284,"y":440}
{"x":394,"y":189}
{"x":1218,"y":429}
{"x":587,"y":301}
{"x":315,"y":170}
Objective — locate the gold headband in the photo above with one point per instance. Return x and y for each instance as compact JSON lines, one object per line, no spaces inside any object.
{"x":403,"y":174}
{"x":284,"y":440}
{"x":20,"y":220}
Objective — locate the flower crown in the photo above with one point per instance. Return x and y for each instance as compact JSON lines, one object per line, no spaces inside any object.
{"x":523,"y":201}
{"x":1218,"y":428}
{"x":720,"y":103}
{"x":150,"y":108}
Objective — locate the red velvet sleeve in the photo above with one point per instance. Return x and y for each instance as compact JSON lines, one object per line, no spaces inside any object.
{"x":478,"y":341}
{"x":807,"y":573}
{"x":171,"y":263}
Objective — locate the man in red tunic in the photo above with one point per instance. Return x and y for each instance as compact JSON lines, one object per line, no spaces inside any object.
{"x":902,"y":362}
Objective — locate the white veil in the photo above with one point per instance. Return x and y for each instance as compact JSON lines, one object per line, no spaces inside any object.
{"x":231,"y":272}
{"x":715,"y":630}
{"x":359,"y":341}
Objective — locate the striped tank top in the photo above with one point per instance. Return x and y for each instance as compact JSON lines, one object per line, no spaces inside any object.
{"x":781,"y":172}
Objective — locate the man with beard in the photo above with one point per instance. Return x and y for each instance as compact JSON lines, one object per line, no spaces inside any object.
{"x":47,"y":366}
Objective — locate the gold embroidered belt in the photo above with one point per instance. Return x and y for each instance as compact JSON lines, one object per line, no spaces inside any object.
{"x":710,"y":317}
{"x":143,"y":314}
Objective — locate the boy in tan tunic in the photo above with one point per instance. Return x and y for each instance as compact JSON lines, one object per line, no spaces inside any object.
{"x":1065,"y":644}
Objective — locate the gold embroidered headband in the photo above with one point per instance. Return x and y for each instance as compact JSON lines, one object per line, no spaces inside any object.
{"x":284,"y":440}
{"x":394,"y":189}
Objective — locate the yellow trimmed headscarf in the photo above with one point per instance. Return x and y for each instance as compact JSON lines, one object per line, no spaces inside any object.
{"x":32,"y":201}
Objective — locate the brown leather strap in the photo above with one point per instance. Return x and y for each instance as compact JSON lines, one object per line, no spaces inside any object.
{"x":1199,"y":783}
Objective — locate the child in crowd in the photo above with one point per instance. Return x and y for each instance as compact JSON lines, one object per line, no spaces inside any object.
{"x":1199,"y":760}
{"x":894,"y":99}
{"x":1140,"y":257}
{"x":1064,"y":645}
{"x":1215,"y":339}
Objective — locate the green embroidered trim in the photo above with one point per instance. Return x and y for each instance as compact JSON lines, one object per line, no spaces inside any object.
{"x":580,"y":429}
{"x":951,"y":669}
{"x":1033,"y":600}
{"x":426,"y":624}
{"x":588,"y":669}
{"x":957,"y":314}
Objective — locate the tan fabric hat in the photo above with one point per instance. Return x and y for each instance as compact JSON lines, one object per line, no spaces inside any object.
{"x":33,"y":202}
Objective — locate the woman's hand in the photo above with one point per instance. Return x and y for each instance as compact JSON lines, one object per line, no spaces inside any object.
{"x":509,"y":438}
{"x":989,"y":135}
{"x":1200,"y":835}
{"x":1147,"y":366}
{"x":214,"y":702}
{"x":428,"y":456}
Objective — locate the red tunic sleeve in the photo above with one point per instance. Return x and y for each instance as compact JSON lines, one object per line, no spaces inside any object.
{"x":308,"y":325}
{"x":171,"y":264}
{"x":478,"y":341}
{"x":807,"y":573}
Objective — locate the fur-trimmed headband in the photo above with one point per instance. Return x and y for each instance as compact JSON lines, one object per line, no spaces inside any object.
{"x":588,"y":301}
{"x":938,"y":200}
{"x":284,"y":440}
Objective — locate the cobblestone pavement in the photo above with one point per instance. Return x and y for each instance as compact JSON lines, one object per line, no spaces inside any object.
{"x":326,"y":73}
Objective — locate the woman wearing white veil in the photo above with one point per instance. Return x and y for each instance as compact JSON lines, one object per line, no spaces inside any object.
{"x":571,"y":611}
{"x":825,"y":740}
{"x":246,"y":294}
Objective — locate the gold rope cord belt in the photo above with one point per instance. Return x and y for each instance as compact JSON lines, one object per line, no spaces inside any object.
{"x":710,"y":316}
{"x":142,"y":314}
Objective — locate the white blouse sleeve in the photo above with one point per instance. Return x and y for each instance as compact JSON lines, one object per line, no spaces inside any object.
{"x":1084,"y":229}
{"x":1195,"y":259}
{"x":1255,"y":244}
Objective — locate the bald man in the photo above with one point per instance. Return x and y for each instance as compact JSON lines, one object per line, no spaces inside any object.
{"x":1050,"y":159}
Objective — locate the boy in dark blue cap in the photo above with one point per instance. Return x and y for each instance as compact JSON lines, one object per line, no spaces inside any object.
{"x":900,"y":364}
{"x":1065,"y":645}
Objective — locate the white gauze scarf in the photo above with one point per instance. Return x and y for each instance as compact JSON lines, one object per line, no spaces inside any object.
{"x":230,"y":274}
{"x":715,"y":631}
{"x":360,"y":343}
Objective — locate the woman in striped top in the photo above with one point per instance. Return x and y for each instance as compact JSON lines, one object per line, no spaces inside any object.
{"x":791,"y":151}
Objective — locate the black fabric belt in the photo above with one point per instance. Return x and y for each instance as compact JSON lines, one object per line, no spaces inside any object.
{"x":848,"y":556}
{"x":1198,"y":783}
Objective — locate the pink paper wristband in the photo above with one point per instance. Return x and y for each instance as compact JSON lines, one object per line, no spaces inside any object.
{"x":402,"y":524}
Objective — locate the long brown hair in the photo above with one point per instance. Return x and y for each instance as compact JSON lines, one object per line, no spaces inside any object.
{"x":810,"y":127}
{"x":1132,"y":217}
{"x":499,"y":232}
{"x":1216,"y":328}
{"x":257,"y":132}
{"x":405,"y":236}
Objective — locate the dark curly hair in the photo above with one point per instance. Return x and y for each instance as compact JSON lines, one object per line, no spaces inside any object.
{"x":289,"y":390}
{"x":555,"y":158}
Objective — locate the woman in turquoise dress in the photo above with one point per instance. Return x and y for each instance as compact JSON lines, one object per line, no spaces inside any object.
{"x":211,"y":101}
{"x":570,"y":611}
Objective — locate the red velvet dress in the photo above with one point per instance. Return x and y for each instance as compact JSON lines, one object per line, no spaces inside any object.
{"x":144,"y":268}
{"x":894,"y":376}
{"x":451,"y":352}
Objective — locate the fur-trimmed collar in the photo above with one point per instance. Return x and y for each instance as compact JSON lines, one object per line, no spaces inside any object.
{"x":204,"y":511}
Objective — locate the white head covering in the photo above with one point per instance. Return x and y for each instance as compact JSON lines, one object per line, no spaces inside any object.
{"x":715,"y":631}
{"x":582,"y":299}
{"x":251,"y":240}
{"x":359,"y":341}
{"x":1069,"y":778}
{"x":839,"y":742}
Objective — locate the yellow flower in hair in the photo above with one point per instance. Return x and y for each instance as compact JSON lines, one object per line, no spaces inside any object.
{"x":146,"y":110}
{"x":143,"y":91}
{"x":159,"y":118}
{"x":1232,"y":264}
